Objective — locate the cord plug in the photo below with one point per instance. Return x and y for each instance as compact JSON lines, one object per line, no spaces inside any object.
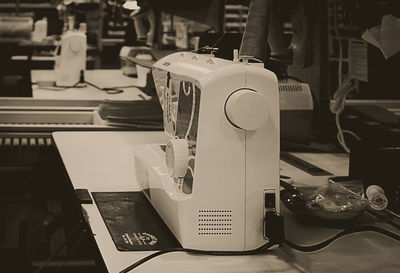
{"x":82,"y":76}
{"x":274,"y":230}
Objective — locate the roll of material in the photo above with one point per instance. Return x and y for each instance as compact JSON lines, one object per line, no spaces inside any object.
{"x":254,"y":42}
{"x":16,"y":27}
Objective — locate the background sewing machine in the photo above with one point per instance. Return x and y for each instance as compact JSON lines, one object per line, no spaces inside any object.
{"x":72,"y":58}
{"x":214,"y":110}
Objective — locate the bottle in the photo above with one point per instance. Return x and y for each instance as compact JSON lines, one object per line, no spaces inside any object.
{"x":141,"y":71}
{"x":40,"y":30}
{"x":82,"y":28}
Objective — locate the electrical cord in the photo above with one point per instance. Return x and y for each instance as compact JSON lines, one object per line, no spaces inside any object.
{"x":108,"y":90}
{"x":347,"y":231}
{"x":344,"y":87}
{"x":58,"y":87}
{"x":265,"y":247}
{"x":79,"y":84}
{"x":197,"y":251}
{"x":338,"y":107}
{"x":82,"y":82}
{"x":341,"y":87}
{"x":387,"y":216}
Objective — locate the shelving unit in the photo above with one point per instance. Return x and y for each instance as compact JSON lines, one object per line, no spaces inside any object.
{"x":235,"y":18}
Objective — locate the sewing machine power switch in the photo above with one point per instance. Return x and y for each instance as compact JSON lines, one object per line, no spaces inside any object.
{"x":269,"y":200}
{"x":272,"y":224}
{"x":247,"y":109}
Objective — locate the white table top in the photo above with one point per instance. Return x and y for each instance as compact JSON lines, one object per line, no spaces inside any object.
{"x":104,"y":161}
{"x":100,"y":77}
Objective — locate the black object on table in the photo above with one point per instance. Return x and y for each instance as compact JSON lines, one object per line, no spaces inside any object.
{"x":132,"y":222}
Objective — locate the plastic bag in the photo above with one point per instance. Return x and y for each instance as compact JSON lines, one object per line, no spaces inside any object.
{"x":336,"y":198}
{"x":334,"y":201}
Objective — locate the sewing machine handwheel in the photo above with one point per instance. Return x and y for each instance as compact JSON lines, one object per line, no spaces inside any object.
{"x":247,"y":109}
{"x":177,"y":157}
{"x":75,"y":46}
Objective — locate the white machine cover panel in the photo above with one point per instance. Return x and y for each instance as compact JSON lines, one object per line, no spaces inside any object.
{"x":180,"y":100}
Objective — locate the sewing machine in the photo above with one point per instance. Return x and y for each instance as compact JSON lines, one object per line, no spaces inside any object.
{"x":72,"y":58}
{"x":218,"y":174}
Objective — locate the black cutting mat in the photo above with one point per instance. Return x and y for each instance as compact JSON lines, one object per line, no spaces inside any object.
{"x":133,"y":223}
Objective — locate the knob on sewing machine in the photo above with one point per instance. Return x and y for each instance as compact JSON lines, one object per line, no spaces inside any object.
{"x":177,"y":157}
{"x":75,"y":45}
{"x":247,"y":109}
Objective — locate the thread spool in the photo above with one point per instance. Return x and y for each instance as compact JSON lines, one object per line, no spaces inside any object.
{"x":376,"y":196}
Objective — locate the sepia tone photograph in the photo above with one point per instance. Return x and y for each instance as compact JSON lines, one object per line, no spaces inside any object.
{"x":199,"y":136}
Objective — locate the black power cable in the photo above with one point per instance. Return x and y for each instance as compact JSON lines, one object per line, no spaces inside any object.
{"x":347,"y":231}
{"x":108,"y":90}
{"x":311,"y":248}
{"x":202,"y":252}
{"x":81,"y":83}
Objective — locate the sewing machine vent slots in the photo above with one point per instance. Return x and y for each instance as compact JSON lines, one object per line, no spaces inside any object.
{"x":215,"y":222}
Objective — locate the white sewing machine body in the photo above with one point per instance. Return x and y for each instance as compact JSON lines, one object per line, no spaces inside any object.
{"x":72,"y":58}
{"x":218,"y":200}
